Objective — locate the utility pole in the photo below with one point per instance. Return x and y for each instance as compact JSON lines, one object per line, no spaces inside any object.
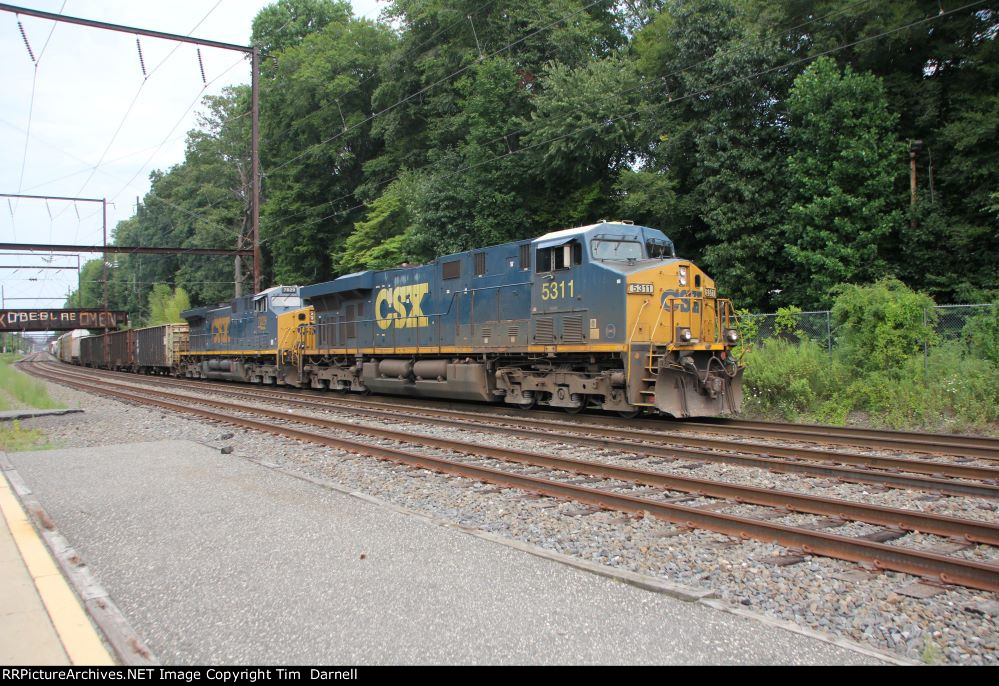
{"x":914,"y":147}
{"x":929,"y":152}
{"x":255,"y":163}
{"x":104,"y":256}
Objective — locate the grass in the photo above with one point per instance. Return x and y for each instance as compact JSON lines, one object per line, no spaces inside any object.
{"x":14,"y":438}
{"x":21,"y":389}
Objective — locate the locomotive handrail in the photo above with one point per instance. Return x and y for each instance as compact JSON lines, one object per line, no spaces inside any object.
{"x":631,"y":340}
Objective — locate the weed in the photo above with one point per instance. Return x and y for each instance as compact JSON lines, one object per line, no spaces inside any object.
{"x":15,"y":439}
{"x":932,"y":654}
{"x":22,"y":387}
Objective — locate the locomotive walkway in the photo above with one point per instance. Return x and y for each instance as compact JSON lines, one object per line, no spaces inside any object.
{"x":216,"y":559}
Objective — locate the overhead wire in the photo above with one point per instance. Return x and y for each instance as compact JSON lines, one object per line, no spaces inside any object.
{"x":515,"y":132}
{"x":94,"y":168}
{"x":314,"y":113}
{"x":236,"y":231}
{"x":78,"y":159}
{"x":116,"y":179}
{"x":179,"y":121}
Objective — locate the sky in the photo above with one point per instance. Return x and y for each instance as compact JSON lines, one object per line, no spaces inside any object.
{"x":82,"y":121}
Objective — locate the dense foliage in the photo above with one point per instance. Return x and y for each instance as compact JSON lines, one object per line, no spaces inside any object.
{"x":885,"y":363}
{"x":768,"y":138}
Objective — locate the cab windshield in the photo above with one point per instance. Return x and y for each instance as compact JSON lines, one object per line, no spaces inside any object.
{"x":286,"y":301}
{"x":616,"y":249}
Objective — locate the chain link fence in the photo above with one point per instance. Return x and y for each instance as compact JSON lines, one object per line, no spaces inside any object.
{"x":969,"y":329}
{"x":758,"y":328}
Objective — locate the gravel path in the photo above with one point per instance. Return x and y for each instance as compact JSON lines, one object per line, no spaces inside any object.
{"x":886,"y":611}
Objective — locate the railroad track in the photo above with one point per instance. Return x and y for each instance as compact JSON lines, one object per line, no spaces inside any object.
{"x":939,"y":476}
{"x":620,"y":488}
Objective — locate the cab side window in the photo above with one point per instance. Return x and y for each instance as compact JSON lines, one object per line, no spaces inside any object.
{"x":559,"y":257}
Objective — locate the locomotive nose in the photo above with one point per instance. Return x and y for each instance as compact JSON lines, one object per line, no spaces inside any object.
{"x":686,"y":334}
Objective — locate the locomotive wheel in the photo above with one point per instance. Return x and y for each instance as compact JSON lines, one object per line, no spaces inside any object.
{"x":529,"y":405}
{"x":575,"y":410}
{"x":629,"y":414}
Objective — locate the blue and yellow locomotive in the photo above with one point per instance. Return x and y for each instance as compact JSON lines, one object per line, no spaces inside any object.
{"x":602,"y":316}
{"x":239,"y":341}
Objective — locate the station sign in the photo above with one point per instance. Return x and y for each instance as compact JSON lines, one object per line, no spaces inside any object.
{"x":61,"y":320}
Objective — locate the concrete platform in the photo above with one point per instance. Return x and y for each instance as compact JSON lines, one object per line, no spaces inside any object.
{"x":215,"y":559}
{"x":41,"y":619}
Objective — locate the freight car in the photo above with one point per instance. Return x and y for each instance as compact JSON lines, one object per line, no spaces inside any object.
{"x":158,"y":349}
{"x":121,"y":350}
{"x":602,"y":316}
{"x":150,"y":350}
{"x":68,"y":346}
{"x":94,"y":351}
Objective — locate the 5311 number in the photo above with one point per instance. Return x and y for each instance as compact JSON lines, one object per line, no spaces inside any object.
{"x":558,"y":289}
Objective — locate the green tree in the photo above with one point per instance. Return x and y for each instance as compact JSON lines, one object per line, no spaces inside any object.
{"x":166,"y":304}
{"x":841,"y":173}
{"x":713,"y":145}
{"x":379,"y":240}
{"x":940,"y":70}
{"x":879,"y":326}
{"x":473,"y":194}
{"x":91,"y":291}
{"x":316,"y":140}
{"x":582,"y":135}
{"x":286,"y":23}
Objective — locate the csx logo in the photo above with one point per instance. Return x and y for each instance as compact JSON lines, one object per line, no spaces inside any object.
{"x":402,"y":305}
{"x":682,"y":302}
{"x":220,"y":330}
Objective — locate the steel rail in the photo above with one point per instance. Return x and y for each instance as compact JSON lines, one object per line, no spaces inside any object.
{"x":981,"y":447}
{"x":975,"y":574}
{"x":554,"y":431}
{"x":970,"y":446}
{"x":883,"y":462}
{"x":932,"y":443}
{"x":937,"y":444}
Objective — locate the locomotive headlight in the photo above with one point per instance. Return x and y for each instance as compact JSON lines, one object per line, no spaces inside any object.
{"x":684,"y":335}
{"x":732,"y":336}
{"x":683,"y":276}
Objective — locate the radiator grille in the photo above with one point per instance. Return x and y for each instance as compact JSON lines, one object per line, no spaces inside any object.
{"x":572,"y":330}
{"x":544,"y":330}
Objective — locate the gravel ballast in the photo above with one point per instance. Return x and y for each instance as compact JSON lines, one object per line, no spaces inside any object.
{"x":885,"y":611}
